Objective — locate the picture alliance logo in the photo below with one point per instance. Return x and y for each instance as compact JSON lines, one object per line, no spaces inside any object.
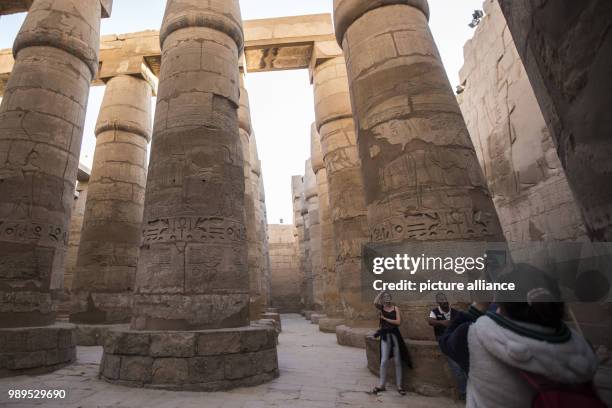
{"x":412,"y":265}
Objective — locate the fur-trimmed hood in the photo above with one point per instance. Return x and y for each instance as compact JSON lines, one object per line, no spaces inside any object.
{"x":562,"y":356}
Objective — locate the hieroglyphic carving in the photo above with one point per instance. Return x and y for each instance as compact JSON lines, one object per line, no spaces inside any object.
{"x":439,"y":224}
{"x":193,"y":229}
{"x":33,"y":232}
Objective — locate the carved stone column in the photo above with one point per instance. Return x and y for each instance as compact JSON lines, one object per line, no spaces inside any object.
{"x":421,"y":175}
{"x":191,"y":300}
{"x":253,"y":258}
{"x":314,"y":231}
{"x":332,"y":306}
{"x":111,"y":234}
{"x":41,"y":127}
{"x":297,"y":189}
{"x":346,"y":194}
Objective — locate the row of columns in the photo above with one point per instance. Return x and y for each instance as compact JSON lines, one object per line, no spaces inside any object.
{"x":204,"y":192}
{"x":41,"y":127}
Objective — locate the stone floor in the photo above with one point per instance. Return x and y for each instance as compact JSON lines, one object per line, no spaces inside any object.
{"x":315,"y":373}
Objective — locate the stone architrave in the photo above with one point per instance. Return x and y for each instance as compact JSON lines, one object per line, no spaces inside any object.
{"x":334,"y":120}
{"x":314,"y":231}
{"x":112,"y":226}
{"x":190,"y":325}
{"x":41,"y":126}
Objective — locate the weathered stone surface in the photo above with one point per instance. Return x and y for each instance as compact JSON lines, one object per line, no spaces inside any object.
{"x":429,"y":376}
{"x":253,"y":256}
{"x":311,"y":195}
{"x":329,"y":324}
{"x":20,"y":6}
{"x":94,"y":334}
{"x":346,"y":198}
{"x":331,"y":296}
{"x":285,"y":265}
{"x":192,"y":271}
{"x":36,"y":350}
{"x":111,"y":235}
{"x":173,"y":345}
{"x":203,"y":360}
{"x":315,"y":318}
{"x":567,"y":51}
{"x":76,"y":224}
{"x":353,"y":336}
{"x":300,"y":234}
{"x":41,"y":126}
{"x":512,"y":141}
{"x":273,"y":316}
{"x":421,"y":175}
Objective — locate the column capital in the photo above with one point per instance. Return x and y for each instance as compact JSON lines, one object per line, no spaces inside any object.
{"x":346,"y":12}
{"x":54,"y":24}
{"x":121,"y":109}
{"x":223,"y":16}
{"x":321,"y":52}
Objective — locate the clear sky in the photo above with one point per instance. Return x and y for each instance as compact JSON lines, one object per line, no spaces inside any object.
{"x":281,"y":102}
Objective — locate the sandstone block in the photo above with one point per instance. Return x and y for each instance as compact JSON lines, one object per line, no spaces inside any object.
{"x":173,"y":344}
{"x":136,"y":368}
{"x":328,"y":324}
{"x":353,"y":336}
{"x":170,"y":371}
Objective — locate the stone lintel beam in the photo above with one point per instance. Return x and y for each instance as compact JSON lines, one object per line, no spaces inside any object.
{"x":275,"y":44}
{"x":21,"y":6}
{"x":321,"y":52}
{"x":270,"y":45}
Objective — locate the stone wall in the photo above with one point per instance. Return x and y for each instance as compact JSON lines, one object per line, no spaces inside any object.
{"x":566,"y":47}
{"x":513,"y":144}
{"x":285,"y":264}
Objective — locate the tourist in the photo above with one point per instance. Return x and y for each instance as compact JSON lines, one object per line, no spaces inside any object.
{"x":440,"y":318}
{"x":392,"y":344}
{"x":514,"y":352}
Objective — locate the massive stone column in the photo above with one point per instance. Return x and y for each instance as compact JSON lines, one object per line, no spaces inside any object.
{"x":566,"y":48}
{"x":346,"y":194}
{"x":253,"y":258}
{"x":190,"y":321}
{"x":314,"y":231}
{"x":332,"y":306}
{"x":421,"y":175}
{"x":260,"y":229}
{"x":264,"y":241}
{"x":297,"y":189}
{"x":111,"y":234}
{"x":41,"y":127}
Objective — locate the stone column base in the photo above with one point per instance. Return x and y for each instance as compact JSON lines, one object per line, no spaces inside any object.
{"x":274,"y":316}
{"x":329,"y":324}
{"x":430,"y":375}
{"x":205,"y":360}
{"x":316,"y":317}
{"x":353,"y":336}
{"x":36,"y":350}
{"x":308,"y":313}
{"x":93,"y":334}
